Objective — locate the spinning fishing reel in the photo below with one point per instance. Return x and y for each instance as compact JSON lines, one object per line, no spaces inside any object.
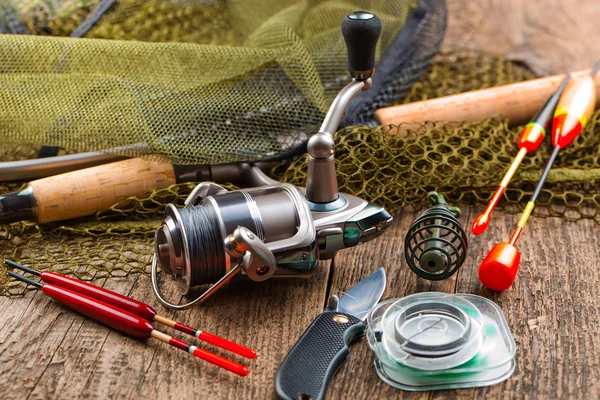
{"x":275,"y":229}
{"x":435,"y":246}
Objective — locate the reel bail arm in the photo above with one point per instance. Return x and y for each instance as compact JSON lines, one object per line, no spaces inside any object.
{"x":254,"y":258}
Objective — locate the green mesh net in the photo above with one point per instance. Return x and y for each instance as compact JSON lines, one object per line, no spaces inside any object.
{"x":465,"y":162}
{"x":196,"y":82}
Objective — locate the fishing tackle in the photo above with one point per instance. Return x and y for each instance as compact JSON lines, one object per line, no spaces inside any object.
{"x":435,"y":246}
{"x":133,"y":306}
{"x":404,"y":58}
{"x":531,"y":137}
{"x":277,"y":229}
{"x":126,"y":322}
{"x":499,"y":268}
{"x":432,"y":341}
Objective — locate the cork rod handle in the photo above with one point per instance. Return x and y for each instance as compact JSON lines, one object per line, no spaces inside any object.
{"x":80,"y":193}
{"x":518,"y":102}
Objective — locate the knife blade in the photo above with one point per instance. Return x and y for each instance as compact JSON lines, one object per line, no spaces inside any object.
{"x":323,"y":347}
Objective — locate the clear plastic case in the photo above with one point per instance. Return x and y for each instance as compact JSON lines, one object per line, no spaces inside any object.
{"x":434,"y":340}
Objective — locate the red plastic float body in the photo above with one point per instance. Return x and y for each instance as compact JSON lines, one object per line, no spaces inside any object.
{"x":573,"y":111}
{"x":140,"y":309}
{"x":531,"y":137}
{"x":119,"y":320}
{"x":107,"y":296}
{"x":499,"y":268}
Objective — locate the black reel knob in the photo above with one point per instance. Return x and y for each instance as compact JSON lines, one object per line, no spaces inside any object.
{"x":361,"y":31}
{"x":435,"y":246}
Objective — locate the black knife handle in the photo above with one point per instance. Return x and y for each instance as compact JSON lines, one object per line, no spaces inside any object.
{"x":322,"y":348}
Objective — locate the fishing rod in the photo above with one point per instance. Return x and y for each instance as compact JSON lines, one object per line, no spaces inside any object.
{"x":477,"y":105}
{"x":499,"y":268}
{"x":126,"y":322}
{"x":55,"y":165}
{"x":81,"y":193}
{"x":131,"y":305}
{"x":531,"y":137}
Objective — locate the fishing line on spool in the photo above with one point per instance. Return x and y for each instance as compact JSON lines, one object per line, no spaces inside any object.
{"x":205,"y":244}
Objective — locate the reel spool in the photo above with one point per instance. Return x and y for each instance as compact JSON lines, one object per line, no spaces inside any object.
{"x":435,"y":246}
{"x":275,"y":229}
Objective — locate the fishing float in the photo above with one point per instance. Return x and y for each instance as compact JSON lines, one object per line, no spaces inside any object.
{"x":531,"y":137}
{"x":133,"y":306}
{"x":574,"y":109}
{"x":126,"y":322}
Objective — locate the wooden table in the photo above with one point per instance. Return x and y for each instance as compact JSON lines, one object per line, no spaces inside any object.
{"x":47,"y":351}
{"x":553,"y":309}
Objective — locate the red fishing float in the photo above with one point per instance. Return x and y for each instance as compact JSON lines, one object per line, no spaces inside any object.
{"x":133,"y":306}
{"x":574,"y":109}
{"x":531,"y":137}
{"x":134,"y":323}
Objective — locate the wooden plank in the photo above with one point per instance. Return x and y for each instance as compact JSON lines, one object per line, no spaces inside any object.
{"x":552,"y":308}
{"x":47,"y":345}
{"x":79,"y":358}
{"x":550,"y":39}
{"x":266,"y":316}
{"x":74,"y":361}
{"x":48,"y":352}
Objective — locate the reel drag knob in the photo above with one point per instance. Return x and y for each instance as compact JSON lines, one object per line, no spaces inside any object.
{"x":361,"y":32}
{"x":435,"y":246}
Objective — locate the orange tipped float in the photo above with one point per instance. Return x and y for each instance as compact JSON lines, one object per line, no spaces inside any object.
{"x":574,"y":109}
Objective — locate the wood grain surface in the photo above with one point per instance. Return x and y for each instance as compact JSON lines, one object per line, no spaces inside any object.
{"x":47,"y":351}
{"x":552,"y":309}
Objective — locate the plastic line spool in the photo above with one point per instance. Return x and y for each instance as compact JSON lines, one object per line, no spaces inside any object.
{"x":432,"y":329}
{"x":430,"y":341}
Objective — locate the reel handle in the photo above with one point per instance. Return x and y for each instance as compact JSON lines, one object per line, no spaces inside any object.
{"x":361,"y":31}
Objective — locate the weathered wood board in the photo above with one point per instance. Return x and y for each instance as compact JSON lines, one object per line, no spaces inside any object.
{"x":553,"y":311}
{"x":47,"y":351}
{"x":550,"y":36}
